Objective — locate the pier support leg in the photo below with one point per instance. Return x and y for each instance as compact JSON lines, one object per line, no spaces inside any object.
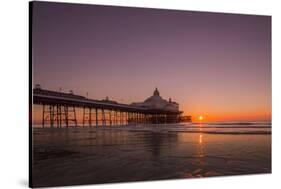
{"x":83,"y":116}
{"x":90,"y":117}
{"x":110,"y":121}
{"x":97,"y":117}
{"x":115,"y":117}
{"x":127,"y":118}
{"x":121,"y":118}
{"x":43,"y":116}
{"x":75,"y":120}
{"x":66,"y":115}
{"x":103,"y":118}
{"x":59,"y":116}
{"x":51,"y":108}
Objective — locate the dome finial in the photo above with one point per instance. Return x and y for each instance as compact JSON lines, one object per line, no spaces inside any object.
{"x":156,"y":92}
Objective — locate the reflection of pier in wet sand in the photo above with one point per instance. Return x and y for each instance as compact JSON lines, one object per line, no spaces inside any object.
{"x":142,"y":153}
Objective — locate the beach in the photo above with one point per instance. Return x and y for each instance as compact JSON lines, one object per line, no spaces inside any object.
{"x":92,"y":155}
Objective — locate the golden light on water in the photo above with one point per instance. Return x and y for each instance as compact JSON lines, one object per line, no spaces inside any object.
{"x":201,"y":147}
{"x":200,"y":139}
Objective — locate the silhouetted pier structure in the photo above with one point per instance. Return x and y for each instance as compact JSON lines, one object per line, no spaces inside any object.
{"x":59,"y":110}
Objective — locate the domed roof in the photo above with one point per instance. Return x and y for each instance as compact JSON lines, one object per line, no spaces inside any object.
{"x":156,"y":97}
{"x":155,"y":102}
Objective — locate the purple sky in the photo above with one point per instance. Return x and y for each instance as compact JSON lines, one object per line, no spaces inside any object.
{"x":216,"y":65}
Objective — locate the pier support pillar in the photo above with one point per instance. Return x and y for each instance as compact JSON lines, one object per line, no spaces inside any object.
{"x":103,"y":117}
{"x":43,"y":116}
{"x":97,"y":121}
{"x":110,"y":120}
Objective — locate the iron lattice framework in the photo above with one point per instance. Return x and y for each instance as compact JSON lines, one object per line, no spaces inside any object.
{"x":59,"y":110}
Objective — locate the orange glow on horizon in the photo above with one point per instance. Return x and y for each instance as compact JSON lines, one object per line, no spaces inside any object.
{"x":232,"y":116}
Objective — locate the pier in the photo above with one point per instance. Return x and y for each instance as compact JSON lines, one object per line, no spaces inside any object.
{"x":60,"y":110}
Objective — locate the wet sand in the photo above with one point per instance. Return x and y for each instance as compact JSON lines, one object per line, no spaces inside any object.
{"x":121,"y":154}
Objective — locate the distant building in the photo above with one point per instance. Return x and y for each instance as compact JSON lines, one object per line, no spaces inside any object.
{"x":156,"y":102}
{"x":161,"y":110}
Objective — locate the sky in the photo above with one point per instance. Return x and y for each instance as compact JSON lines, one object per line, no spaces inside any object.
{"x":214,"y":65}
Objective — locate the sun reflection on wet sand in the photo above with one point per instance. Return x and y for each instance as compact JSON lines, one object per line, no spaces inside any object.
{"x":201,"y":146}
{"x":200,"y":139}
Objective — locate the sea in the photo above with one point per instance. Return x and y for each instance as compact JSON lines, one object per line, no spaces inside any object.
{"x":111,"y":154}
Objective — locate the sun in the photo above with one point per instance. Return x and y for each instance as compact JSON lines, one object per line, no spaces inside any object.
{"x":200,"y":118}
